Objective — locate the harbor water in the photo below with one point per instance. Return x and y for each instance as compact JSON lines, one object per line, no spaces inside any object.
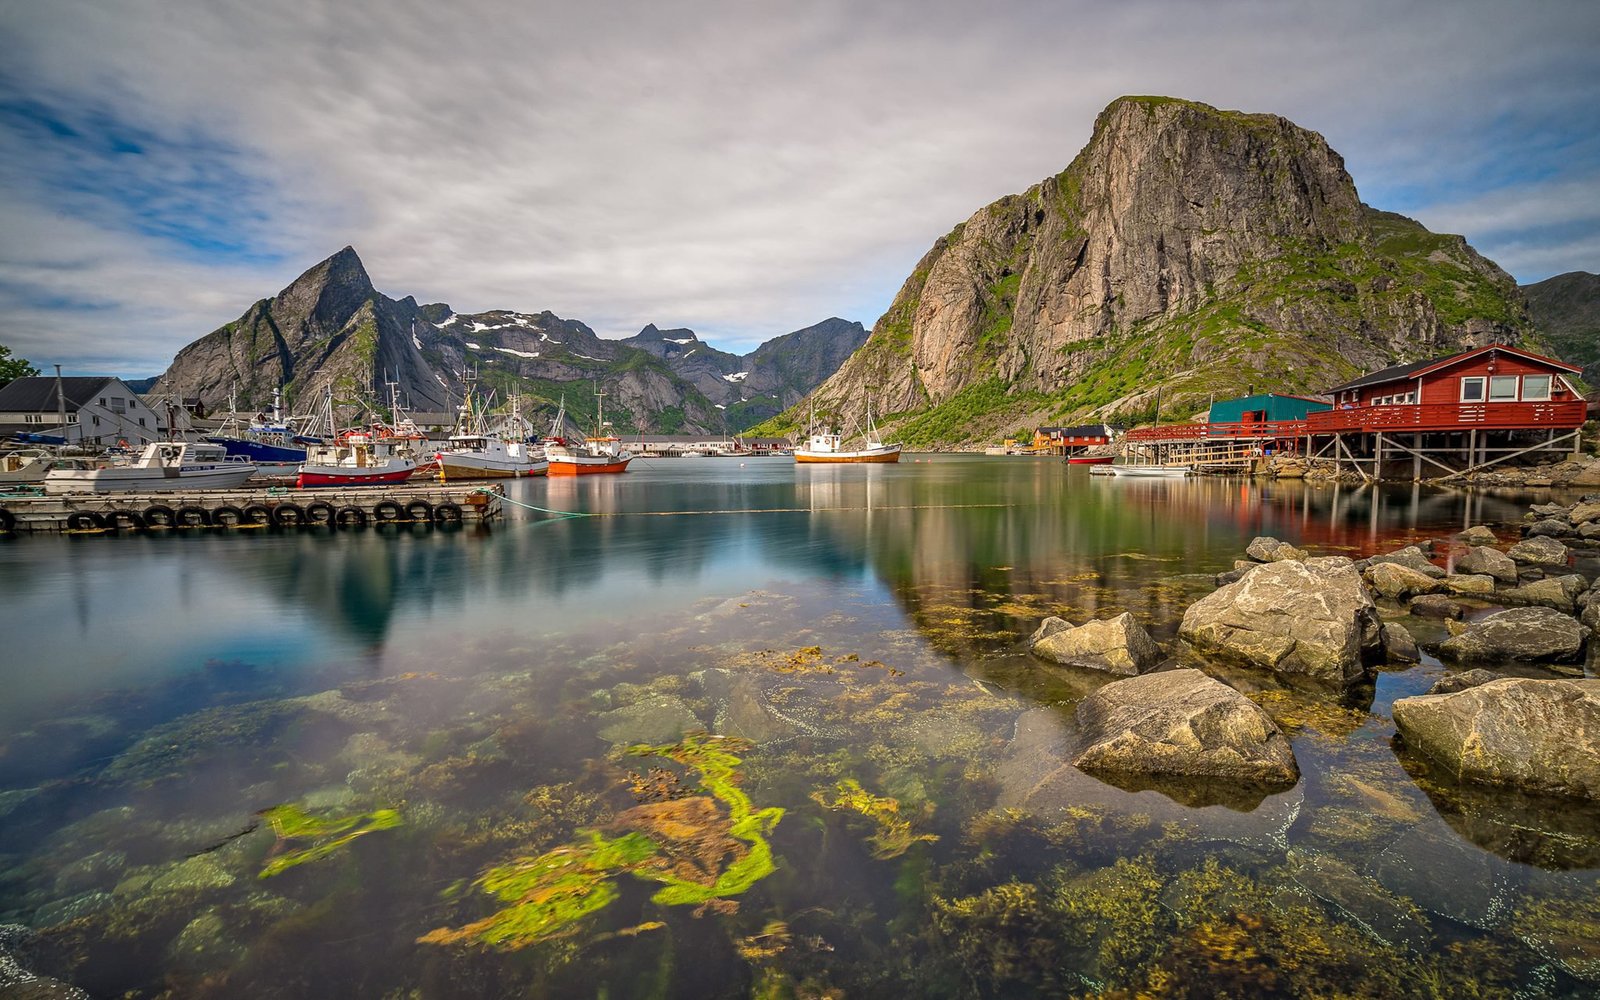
{"x":733,"y":728}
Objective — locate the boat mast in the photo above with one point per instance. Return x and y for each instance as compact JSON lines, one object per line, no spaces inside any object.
{"x":61,"y":411}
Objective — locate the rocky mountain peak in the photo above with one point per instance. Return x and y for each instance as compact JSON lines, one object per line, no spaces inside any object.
{"x":1187,"y":246}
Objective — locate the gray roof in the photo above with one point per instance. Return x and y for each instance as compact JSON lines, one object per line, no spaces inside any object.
{"x":37,"y":393}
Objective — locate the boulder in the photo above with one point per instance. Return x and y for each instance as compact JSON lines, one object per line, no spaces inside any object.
{"x":1398,"y":645}
{"x":659,"y":719}
{"x":1591,"y":617}
{"x":1559,"y":592}
{"x":1231,"y":576}
{"x":1531,"y":635}
{"x":1534,"y":735}
{"x":1459,"y":681}
{"x":1313,"y":620}
{"x":1585,"y":512}
{"x":1477,"y":535}
{"x":1410,"y":557}
{"x":1471,"y":586}
{"x":1397,"y":582}
{"x":1539,"y":551}
{"x":1590,"y":531}
{"x":1483,"y":560}
{"x":1267,"y":549}
{"x":1435,"y":606}
{"x":1550,"y":528}
{"x":1050,"y":626}
{"x":1540,"y":511}
{"x":1181,"y":724}
{"x":1117,"y":645}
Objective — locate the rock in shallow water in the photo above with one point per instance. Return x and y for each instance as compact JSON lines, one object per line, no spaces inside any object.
{"x":1266,"y":549}
{"x":1532,"y":635}
{"x":1181,"y":723}
{"x":1117,"y":645}
{"x":1559,"y":592}
{"x":1482,"y":560}
{"x":1313,"y":620}
{"x":1412,"y":558}
{"x":1534,"y":735}
{"x":1395,"y":581}
{"x":1540,"y":551}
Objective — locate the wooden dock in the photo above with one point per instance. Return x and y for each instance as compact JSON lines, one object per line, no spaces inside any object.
{"x":348,"y":507}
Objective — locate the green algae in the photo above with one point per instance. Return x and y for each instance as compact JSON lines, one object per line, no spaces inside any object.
{"x":893,"y":836}
{"x":327,"y":834}
{"x":686,"y":843}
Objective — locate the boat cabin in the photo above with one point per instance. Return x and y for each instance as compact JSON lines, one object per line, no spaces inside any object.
{"x":177,"y":454}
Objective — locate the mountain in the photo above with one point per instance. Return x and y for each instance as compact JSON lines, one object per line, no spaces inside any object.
{"x":330,"y":324}
{"x":1566,"y":309}
{"x":1186,"y":248}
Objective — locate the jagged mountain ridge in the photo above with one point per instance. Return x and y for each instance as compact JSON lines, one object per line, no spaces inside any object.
{"x":1204,"y":251}
{"x":330,"y":324}
{"x":1566,"y":309}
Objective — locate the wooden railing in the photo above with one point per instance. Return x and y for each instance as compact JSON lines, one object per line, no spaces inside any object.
{"x":1563,"y":415}
{"x":1248,"y":430}
{"x":1556,"y":415}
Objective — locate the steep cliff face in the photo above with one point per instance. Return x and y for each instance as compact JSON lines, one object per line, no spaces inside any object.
{"x":1566,"y":309}
{"x":330,"y":323}
{"x":1202,"y":250}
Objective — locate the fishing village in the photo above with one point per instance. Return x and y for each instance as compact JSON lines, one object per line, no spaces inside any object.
{"x":816,"y":503}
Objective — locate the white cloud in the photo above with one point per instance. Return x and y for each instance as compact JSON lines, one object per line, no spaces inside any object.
{"x":745,"y":169}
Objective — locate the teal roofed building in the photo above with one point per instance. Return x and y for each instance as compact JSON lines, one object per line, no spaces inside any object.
{"x":1265,"y":407}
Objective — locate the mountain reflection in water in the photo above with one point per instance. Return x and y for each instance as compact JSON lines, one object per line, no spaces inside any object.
{"x":860,"y":630}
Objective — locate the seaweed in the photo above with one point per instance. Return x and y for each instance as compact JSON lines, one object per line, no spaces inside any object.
{"x":893,"y":836}
{"x":327,"y":834}
{"x":701,"y":855}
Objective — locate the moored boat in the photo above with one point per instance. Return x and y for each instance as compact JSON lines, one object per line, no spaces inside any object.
{"x":1090,"y":459}
{"x":356,"y":458}
{"x":163,"y":467}
{"x":599,"y":453}
{"x":829,"y":447}
{"x":475,"y":451}
{"x":1151,"y":471}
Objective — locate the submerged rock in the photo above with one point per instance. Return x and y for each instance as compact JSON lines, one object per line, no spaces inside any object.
{"x":1534,"y":635}
{"x":1535,"y":735}
{"x":1435,"y":869}
{"x":1490,"y":562}
{"x":1181,"y":723}
{"x":1390,"y":919}
{"x":1313,"y":620}
{"x":1117,"y":645}
{"x":16,"y":982}
{"x":657,"y":720}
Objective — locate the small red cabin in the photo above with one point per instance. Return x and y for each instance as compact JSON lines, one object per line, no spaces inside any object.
{"x":1497,"y":387}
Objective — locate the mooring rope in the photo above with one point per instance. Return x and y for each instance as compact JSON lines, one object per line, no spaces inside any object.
{"x":562,"y":514}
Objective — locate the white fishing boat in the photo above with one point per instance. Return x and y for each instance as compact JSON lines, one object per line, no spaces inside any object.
{"x":475,"y":451}
{"x":1150,"y":471}
{"x":600,"y":452}
{"x":828,"y":446}
{"x":356,"y":458}
{"x":163,"y":467}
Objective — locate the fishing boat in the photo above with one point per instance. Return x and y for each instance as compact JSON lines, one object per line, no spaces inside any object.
{"x":1151,"y":471}
{"x":600,"y":452}
{"x":163,"y":467}
{"x":356,"y":458}
{"x":828,"y":446}
{"x":1090,"y":459}
{"x":269,"y":439}
{"x":477,"y":452}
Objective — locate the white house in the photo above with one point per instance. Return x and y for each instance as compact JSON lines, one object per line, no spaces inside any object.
{"x":100,"y":410}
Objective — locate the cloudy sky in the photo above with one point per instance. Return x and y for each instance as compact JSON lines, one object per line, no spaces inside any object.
{"x":741,"y":168}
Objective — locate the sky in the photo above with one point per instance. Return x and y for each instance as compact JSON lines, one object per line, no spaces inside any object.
{"x":743,"y":169}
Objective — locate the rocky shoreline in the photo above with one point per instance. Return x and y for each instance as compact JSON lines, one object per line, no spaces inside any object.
{"x":1329,"y":624}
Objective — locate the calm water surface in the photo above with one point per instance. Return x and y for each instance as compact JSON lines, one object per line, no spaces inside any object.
{"x":479,"y":758}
